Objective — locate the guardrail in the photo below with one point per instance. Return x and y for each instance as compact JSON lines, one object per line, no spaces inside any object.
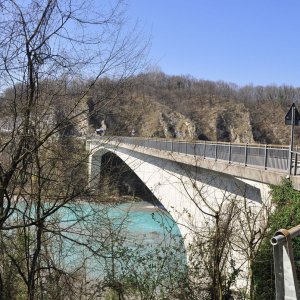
{"x":265,"y":156}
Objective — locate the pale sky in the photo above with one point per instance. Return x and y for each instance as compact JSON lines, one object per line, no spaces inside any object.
{"x":240,"y":41}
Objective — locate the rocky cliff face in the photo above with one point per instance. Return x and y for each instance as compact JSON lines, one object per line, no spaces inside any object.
{"x":146,"y":116}
{"x":267,"y":121}
{"x":227,"y":123}
{"x":165,"y":123}
{"x":177,"y":107}
{"x":149,"y":117}
{"x":176,"y":125}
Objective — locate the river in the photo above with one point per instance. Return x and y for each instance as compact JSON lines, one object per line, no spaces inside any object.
{"x":119,"y":236}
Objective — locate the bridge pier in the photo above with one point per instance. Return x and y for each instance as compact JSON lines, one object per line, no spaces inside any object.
{"x":94,"y":168}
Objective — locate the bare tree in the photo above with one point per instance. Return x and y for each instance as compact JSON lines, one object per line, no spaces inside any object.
{"x":52,"y":53}
{"x":46,"y":45}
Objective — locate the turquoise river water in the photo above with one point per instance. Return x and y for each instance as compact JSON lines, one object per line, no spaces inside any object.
{"x":119,"y":234}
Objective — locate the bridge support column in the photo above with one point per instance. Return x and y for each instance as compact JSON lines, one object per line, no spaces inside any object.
{"x":94,"y":168}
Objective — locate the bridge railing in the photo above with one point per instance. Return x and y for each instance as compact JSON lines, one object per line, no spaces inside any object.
{"x":264,"y":156}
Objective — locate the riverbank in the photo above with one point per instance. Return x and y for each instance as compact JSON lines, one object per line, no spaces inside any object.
{"x":107,"y":198}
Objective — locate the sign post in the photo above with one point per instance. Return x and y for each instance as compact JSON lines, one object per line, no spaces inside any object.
{"x":292,"y":118}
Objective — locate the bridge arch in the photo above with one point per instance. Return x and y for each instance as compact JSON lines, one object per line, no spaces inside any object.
{"x":116,"y":176}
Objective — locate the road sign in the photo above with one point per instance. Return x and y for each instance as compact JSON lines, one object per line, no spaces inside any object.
{"x":293,"y":116}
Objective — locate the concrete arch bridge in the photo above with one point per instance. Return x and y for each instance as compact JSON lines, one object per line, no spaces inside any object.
{"x":198,"y":182}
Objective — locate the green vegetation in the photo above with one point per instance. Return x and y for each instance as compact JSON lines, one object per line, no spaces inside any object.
{"x":286,"y":215}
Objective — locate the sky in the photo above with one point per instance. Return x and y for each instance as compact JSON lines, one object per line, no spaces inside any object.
{"x":239,"y":41}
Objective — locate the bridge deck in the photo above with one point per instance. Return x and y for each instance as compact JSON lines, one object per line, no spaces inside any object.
{"x":263,"y":163}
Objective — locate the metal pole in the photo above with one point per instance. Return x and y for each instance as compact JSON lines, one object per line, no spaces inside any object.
{"x":246,"y":152}
{"x":292,"y":139}
{"x":296,"y":162}
{"x":216,"y":151}
{"x":266,"y":157}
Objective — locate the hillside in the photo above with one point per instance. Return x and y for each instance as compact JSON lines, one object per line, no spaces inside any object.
{"x":158,"y":105}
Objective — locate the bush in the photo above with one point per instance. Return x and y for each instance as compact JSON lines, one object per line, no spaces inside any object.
{"x":286,"y":215}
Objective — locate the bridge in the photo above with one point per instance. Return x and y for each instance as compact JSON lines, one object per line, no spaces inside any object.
{"x":199,"y":181}
{"x":261,"y":163}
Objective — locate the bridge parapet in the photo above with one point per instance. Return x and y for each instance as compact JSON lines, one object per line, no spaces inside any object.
{"x":266,"y":156}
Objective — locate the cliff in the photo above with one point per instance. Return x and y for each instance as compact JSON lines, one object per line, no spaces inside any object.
{"x":158,"y":105}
